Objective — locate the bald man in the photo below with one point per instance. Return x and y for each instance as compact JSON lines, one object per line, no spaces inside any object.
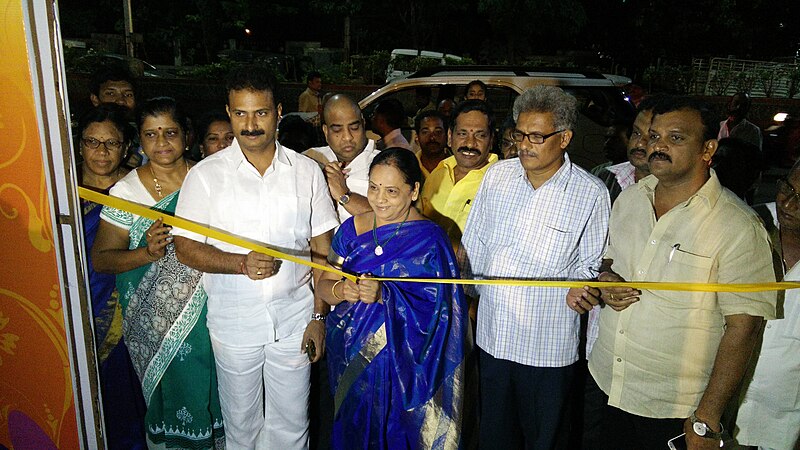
{"x":347,"y":156}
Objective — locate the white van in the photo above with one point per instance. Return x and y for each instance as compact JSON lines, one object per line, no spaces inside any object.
{"x":401,"y":58}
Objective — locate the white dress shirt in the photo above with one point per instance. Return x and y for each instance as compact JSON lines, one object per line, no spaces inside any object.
{"x":358,"y":177}
{"x":395,"y":138}
{"x":283,"y":209}
{"x":555,"y":232}
{"x":769,"y":415}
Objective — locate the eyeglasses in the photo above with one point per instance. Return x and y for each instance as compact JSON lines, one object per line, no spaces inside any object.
{"x":787,"y":190}
{"x":110,"y":144}
{"x":508,"y":143}
{"x":533,"y":138}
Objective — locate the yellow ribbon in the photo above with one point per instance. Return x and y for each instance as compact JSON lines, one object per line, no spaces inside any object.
{"x":143,"y":211}
{"x":188,"y":225}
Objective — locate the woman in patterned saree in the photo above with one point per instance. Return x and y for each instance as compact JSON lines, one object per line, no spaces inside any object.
{"x":163,"y":302}
{"x":103,"y":139}
{"x":395,"y":349}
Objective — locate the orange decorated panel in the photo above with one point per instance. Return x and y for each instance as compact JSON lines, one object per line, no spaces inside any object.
{"x":36,"y":397}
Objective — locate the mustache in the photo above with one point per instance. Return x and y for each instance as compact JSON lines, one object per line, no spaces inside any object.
{"x":637,"y":150}
{"x":662,"y":155}
{"x":468,"y":149}
{"x":251,"y":133}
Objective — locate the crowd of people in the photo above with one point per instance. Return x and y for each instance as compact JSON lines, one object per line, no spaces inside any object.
{"x":201,"y":344}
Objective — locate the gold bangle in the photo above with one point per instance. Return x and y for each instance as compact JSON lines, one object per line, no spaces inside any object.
{"x":333,"y":290}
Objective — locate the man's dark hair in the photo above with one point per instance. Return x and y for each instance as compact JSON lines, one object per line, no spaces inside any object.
{"x":738,"y":165}
{"x":708,"y":116}
{"x":746,"y":101}
{"x":393,"y":111}
{"x":475,"y":83}
{"x":312,"y":75}
{"x":251,"y":78}
{"x":295,"y":133}
{"x":507,"y":124}
{"x":426,"y":114}
{"x":473,"y":105}
{"x":110,"y":73}
{"x":403,"y":160}
{"x":650,"y":102}
{"x":162,"y":105}
{"x":207,"y":119}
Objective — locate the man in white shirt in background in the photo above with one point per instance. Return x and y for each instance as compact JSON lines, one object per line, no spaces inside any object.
{"x":347,"y":156}
{"x":387,"y":121}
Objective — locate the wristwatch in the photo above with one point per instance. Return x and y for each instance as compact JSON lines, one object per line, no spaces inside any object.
{"x":344,"y":198}
{"x":318,"y":316}
{"x":702,"y":429}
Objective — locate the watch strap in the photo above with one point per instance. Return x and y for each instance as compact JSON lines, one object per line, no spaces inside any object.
{"x":710,"y":434}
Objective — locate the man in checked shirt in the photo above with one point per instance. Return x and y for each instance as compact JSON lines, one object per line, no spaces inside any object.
{"x":537,"y":217}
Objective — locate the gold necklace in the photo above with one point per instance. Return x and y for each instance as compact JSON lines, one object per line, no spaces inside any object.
{"x":155,"y":182}
{"x":157,"y":186}
{"x":378,"y":245}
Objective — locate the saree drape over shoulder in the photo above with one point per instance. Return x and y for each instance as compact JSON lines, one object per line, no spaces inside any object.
{"x":164,"y":326}
{"x":397,"y":367}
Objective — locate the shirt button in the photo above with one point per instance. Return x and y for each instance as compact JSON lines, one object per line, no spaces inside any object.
{"x":641,"y":272}
{"x":769,"y":326}
{"x":621,"y":331}
{"x":653,"y":242}
{"x":619,"y":359}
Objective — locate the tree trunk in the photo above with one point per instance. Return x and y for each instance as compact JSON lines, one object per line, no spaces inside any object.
{"x":347,"y":38}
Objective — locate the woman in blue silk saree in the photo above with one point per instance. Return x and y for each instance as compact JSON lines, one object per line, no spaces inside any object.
{"x":103,"y":138}
{"x":395,"y":349}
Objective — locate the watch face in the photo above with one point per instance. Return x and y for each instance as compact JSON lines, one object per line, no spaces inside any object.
{"x":699,"y":428}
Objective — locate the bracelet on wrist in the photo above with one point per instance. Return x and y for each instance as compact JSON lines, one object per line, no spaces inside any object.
{"x":333,"y":290}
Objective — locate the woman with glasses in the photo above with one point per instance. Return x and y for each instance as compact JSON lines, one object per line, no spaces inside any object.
{"x":163,"y":302}
{"x":103,"y":138}
{"x":769,"y":414}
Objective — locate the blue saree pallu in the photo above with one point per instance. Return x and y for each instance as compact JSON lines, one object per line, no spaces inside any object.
{"x":397,"y":367}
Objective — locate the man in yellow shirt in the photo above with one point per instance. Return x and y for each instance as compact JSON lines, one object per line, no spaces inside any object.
{"x":310,"y":100}
{"x":430,"y":137}
{"x":449,"y":190}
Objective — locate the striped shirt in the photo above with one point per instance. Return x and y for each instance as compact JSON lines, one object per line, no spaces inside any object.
{"x":556,"y":232}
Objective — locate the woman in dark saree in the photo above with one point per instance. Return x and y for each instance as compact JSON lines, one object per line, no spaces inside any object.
{"x":103,"y":139}
{"x":395,"y":349}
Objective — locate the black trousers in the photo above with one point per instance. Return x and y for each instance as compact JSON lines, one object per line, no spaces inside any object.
{"x":520,"y":405}
{"x":620,"y":430}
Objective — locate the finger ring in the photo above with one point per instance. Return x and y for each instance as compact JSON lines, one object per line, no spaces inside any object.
{"x":258,"y":273}
{"x":149,"y":235}
{"x":611,"y":296}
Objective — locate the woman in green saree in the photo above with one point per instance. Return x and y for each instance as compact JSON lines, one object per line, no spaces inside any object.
{"x":163,"y":302}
